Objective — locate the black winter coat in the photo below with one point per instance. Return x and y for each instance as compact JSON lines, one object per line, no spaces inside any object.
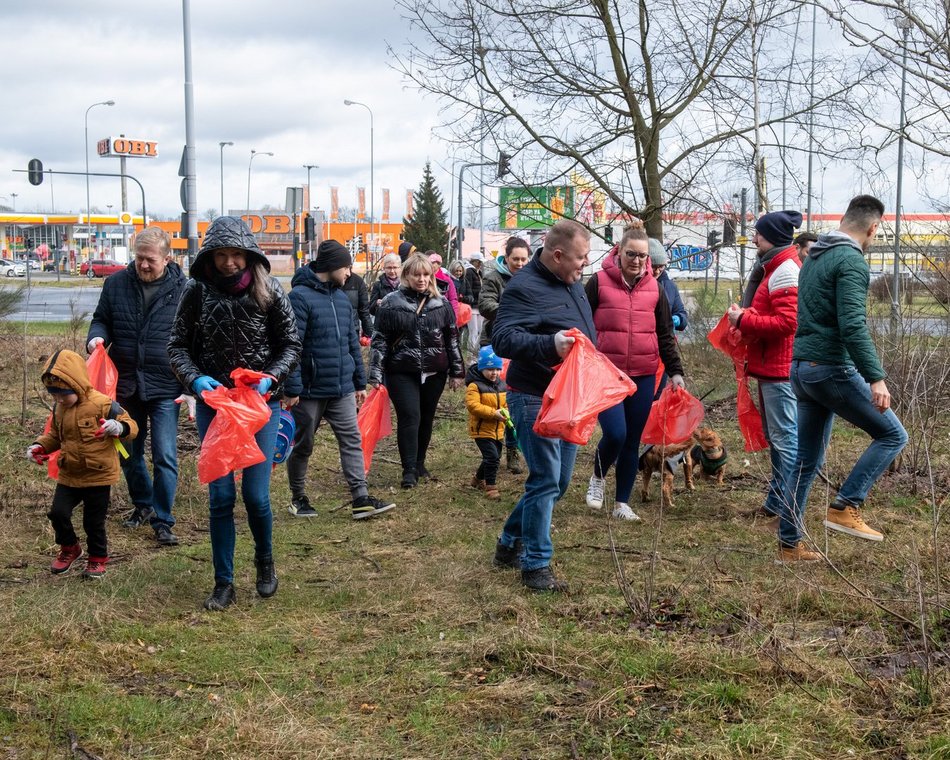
{"x":331,"y":365}
{"x":381,"y":288}
{"x":138,"y":339}
{"x":415,"y":340}
{"x":355,"y":290}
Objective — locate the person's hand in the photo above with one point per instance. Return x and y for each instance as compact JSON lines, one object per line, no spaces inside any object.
{"x":563,"y":343}
{"x":365,"y":341}
{"x":733,"y":314}
{"x":677,"y":321}
{"x":264,"y":386}
{"x":189,"y":402}
{"x":499,"y":415}
{"x":204,"y":383}
{"x":360,"y":397}
{"x":455,"y":383}
{"x":110,"y":428}
{"x":677,"y":382}
{"x":373,"y":385}
{"x":291,"y":401}
{"x":91,"y":345}
{"x":36,"y":453}
{"x":880,"y":396}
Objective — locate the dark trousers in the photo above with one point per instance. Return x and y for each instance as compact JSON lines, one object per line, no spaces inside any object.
{"x":415,"y":403}
{"x":95,"y":504}
{"x":491,"y":456}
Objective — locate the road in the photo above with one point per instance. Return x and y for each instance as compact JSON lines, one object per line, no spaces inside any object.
{"x":48,"y":304}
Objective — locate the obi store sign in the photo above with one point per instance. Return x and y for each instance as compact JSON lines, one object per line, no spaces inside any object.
{"x":123,"y":146}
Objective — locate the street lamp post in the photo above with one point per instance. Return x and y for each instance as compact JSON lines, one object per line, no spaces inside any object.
{"x":308,"y":167}
{"x":221,"y":149}
{"x":904,"y":25}
{"x":372,"y":192}
{"x":88,"y":206}
{"x":254,"y":153}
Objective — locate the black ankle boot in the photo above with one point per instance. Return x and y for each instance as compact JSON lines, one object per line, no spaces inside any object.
{"x":221,"y":598}
{"x":266,"y":577}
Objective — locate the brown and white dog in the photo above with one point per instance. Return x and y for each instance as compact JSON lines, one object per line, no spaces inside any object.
{"x":666,"y":459}
{"x":709,"y":455}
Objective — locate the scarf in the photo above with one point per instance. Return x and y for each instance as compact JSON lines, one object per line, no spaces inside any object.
{"x":236,"y":283}
{"x":757,"y":273}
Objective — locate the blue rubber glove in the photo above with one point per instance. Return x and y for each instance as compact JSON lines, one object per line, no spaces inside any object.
{"x":264,"y":385}
{"x":677,"y":321}
{"x":204,"y":383}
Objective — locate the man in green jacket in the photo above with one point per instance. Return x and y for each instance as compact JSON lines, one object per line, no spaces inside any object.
{"x":836,"y":370}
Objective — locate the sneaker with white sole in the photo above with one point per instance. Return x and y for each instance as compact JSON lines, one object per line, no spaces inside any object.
{"x":366,"y":506}
{"x":595,"y":492}
{"x":623,"y":512}
{"x":300,"y":507}
{"x":849,"y":520}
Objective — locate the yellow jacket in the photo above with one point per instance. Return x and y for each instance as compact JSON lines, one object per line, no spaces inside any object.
{"x":84,"y":460}
{"x":483,"y":399}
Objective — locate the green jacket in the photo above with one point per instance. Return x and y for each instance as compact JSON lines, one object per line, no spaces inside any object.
{"x":832,"y":307}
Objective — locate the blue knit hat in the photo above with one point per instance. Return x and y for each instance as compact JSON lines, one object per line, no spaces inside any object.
{"x":488,"y":359}
{"x":778,"y":227}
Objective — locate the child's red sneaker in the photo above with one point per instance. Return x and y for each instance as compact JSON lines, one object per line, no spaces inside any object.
{"x":95,"y":568}
{"x":64,"y":560}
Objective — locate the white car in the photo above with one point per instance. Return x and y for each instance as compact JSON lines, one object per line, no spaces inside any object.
{"x":12,"y":268}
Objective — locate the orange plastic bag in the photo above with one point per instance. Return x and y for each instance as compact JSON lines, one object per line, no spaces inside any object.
{"x":104,"y":378}
{"x":375,"y":422}
{"x":229,"y":444}
{"x":674,"y":417}
{"x":585,"y":384}
{"x":464,"y":315}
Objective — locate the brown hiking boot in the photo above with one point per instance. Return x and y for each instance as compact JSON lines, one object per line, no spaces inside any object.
{"x":794,"y":556}
{"x":513,"y":458}
{"x":477,"y":483}
{"x":848,"y":520}
{"x":492,"y":492}
{"x":767,"y":525}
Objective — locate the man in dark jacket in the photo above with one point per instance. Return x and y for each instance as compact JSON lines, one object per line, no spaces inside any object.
{"x":330,"y":380}
{"x":356,"y":290}
{"x":836,"y":371}
{"x":537,"y":308}
{"x":134,"y":319}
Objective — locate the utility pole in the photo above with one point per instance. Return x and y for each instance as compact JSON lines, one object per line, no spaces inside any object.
{"x":742,"y":232}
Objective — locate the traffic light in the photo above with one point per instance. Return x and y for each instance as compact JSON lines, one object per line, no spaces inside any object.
{"x":35,"y":171}
{"x":713,"y":241}
{"x":309,"y":229}
{"x":729,"y":231}
{"x":609,"y":234}
{"x":504,"y":164}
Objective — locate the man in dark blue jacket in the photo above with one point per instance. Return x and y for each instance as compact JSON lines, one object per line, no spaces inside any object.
{"x":330,"y":380}
{"x":134,"y":319}
{"x":537,"y":308}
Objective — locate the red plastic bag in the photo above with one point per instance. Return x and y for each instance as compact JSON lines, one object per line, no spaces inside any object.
{"x":585,"y":384}
{"x":727,"y":339}
{"x":464,"y":314}
{"x":375,"y":422}
{"x":229,"y":444}
{"x":504,"y":368}
{"x":104,"y":378}
{"x":674,"y":417}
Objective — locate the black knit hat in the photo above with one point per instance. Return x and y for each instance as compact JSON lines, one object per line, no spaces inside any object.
{"x":778,"y":227}
{"x":405,"y":250}
{"x":331,"y":255}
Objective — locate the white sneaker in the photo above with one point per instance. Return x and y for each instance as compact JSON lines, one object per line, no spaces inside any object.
{"x":623,"y":512}
{"x":595,"y":492}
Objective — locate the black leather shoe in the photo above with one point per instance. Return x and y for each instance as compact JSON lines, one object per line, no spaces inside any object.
{"x":164,"y":535}
{"x":507,"y":557}
{"x":221,"y":598}
{"x":422,"y":472}
{"x":542,"y":579}
{"x":138,"y":517}
{"x":409,"y":480}
{"x":266,"y":577}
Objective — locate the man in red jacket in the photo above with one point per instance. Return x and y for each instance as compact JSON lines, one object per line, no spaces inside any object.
{"x":767,"y":319}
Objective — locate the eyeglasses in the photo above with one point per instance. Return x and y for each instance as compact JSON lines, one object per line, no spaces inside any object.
{"x":635,"y":255}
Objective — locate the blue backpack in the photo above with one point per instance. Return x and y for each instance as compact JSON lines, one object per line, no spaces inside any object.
{"x":286,"y":431}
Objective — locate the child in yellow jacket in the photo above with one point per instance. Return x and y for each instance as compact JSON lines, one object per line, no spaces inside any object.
{"x":485,"y":401}
{"x":85,"y":424}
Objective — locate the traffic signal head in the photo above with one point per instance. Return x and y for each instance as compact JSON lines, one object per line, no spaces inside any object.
{"x":504,"y":164}
{"x":609,"y":234}
{"x":309,"y":229}
{"x":35,"y":171}
{"x":713,"y":240}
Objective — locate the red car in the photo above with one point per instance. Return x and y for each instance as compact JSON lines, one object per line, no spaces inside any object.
{"x":100,"y":267}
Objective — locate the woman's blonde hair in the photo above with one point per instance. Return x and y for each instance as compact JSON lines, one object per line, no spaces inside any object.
{"x":413,"y":264}
{"x":260,"y":285}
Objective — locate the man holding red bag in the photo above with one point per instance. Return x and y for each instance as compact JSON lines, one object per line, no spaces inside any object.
{"x":537,"y":308}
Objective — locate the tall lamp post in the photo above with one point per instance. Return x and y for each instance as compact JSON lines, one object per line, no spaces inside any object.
{"x":308,"y":167}
{"x":254,"y":154}
{"x":372,"y":192}
{"x":86,"y":123}
{"x":904,"y":25}
{"x":221,"y":150}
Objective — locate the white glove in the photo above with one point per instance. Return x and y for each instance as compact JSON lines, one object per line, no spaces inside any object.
{"x":189,"y":401}
{"x":34,"y":453}
{"x":563,"y":343}
{"x":677,"y":381}
{"x":91,"y":345}
{"x":111,"y":428}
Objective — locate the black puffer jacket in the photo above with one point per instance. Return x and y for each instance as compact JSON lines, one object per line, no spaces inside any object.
{"x":381,"y":289}
{"x":138,"y":339}
{"x":215,"y":332}
{"x":413,"y":339}
{"x":355,"y":290}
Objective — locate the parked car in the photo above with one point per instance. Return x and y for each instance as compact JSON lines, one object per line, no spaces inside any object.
{"x":12,"y":268}
{"x":100,"y":267}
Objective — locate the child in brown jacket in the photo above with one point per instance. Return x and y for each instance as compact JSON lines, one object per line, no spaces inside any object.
{"x":485,"y":400}
{"x":85,"y":424}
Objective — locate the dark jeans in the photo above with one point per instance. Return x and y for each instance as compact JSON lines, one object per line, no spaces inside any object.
{"x":622,"y":425}
{"x":95,"y":504}
{"x":491,"y":456}
{"x":415,"y":403}
{"x":255,"y":491}
{"x":158,"y":418}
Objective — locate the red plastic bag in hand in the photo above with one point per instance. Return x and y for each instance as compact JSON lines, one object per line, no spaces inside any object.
{"x":229,"y":444}
{"x":374,"y":421}
{"x":464,"y":315}
{"x":727,"y":339}
{"x":674,"y":417}
{"x":585,"y":384}
{"x":504,"y":368}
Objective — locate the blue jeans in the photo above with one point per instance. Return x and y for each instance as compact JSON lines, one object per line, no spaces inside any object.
{"x":158,"y":417}
{"x":622,"y":425}
{"x":550,"y":464}
{"x":824,"y":390}
{"x":255,"y":491}
{"x":780,"y":424}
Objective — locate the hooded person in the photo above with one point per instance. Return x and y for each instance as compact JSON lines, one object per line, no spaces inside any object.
{"x":234,"y":314}
{"x":659,"y":262}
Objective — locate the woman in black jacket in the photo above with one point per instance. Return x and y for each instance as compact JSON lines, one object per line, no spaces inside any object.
{"x":415,"y":345}
{"x":234,"y":314}
{"x":387,"y":282}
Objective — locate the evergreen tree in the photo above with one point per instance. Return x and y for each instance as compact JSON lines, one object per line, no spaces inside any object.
{"x":426,"y":228}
